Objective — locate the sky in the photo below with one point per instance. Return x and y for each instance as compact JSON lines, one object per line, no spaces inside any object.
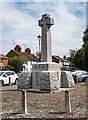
{"x":19,"y":24}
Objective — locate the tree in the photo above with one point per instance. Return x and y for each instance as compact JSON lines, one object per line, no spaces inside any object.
{"x":64,"y":57}
{"x":16,"y":63}
{"x":85,"y":45}
{"x":85,"y":37}
{"x":71,"y":53}
{"x":85,"y":57}
{"x":9,"y":67}
{"x":78,"y":58}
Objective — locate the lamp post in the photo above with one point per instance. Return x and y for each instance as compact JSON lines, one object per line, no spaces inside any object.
{"x":39,"y":38}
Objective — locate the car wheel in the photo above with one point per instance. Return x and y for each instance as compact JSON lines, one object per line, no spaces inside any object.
{"x":1,"y":83}
{"x":84,"y":79}
{"x":16,"y":81}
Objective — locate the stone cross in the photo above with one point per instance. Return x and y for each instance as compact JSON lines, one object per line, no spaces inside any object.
{"x":46,"y":51}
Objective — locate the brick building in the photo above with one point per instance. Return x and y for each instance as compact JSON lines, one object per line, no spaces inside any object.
{"x":3,"y":61}
{"x":27,"y":55}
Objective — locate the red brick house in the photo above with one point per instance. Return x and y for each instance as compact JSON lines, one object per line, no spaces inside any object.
{"x":27,"y":55}
{"x":3,"y":61}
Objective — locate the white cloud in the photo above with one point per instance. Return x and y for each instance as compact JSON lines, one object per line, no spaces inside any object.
{"x":43,"y":1}
{"x":20,"y":23}
{"x":67,"y":30}
{"x":18,"y":26}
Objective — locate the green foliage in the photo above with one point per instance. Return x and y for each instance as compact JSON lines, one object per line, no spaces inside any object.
{"x":71,"y":53}
{"x":9,"y":67}
{"x":16,"y":63}
{"x":85,"y":45}
{"x":85,"y":57}
{"x":85,"y":37}
{"x":78,"y":58}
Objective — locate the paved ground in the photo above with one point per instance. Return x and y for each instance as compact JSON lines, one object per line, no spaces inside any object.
{"x":43,"y":105}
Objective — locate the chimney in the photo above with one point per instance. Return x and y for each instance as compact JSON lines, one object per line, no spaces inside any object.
{"x":28,"y":50}
{"x":18,"y":48}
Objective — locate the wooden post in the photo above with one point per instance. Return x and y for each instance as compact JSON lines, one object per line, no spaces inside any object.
{"x":24,"y":102}
{"x":67,"y":102}
{"x":9,"y":80}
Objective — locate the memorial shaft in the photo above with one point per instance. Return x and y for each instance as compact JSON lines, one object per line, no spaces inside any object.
{"x":46,"y":50}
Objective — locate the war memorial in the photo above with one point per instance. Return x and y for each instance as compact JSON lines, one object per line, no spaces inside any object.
{"x":47,"y":79}
{"x":45,"y":75}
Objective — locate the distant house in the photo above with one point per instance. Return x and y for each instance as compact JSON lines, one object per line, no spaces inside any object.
{"x":3,"y":61}
{"x":70,"y":61}
{"x":55,"y":59}
{"x":59,"y":60}
{"x":27,"y":55}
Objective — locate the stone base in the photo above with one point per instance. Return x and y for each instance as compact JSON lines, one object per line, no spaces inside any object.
{"x":46,"y":76}
{"x":25,"y":81}
{"x":67,"y":80}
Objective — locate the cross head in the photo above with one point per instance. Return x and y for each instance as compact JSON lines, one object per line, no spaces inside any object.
{"x":46,"y":20}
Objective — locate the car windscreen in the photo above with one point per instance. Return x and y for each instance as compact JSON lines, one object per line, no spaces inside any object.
{"x":1,"y":73}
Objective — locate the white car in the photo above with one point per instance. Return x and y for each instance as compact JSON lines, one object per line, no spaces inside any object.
{"x":8,"y":77}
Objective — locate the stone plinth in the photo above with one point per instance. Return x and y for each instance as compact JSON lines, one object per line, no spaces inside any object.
{"x":46,"y":76}
{"x":25,"y":81}
{"x":67,"y":80}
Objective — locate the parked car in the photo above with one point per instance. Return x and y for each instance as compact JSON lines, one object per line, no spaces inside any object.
{"x":82,"y":77}
{"x":7,"y":77}
{"x":78,"y":72}
{"x":79,"y":76}
{"x":68,"y":68}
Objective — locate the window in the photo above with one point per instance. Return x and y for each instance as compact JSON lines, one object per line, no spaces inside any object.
{"x":7,"y":74}
{"x":1,"y":73}
{"x":12,"y":73}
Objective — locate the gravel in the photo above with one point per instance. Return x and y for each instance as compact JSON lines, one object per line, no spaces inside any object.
{"x":43,"y":105}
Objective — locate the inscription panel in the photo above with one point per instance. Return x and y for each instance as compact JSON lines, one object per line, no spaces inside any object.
{"x":40,"y":67}
{"x":46,"y":67}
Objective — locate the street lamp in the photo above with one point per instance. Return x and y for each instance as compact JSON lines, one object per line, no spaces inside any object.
{"x":39,"y":38}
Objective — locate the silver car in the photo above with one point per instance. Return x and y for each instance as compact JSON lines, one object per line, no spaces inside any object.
{"x":82,"y":77}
